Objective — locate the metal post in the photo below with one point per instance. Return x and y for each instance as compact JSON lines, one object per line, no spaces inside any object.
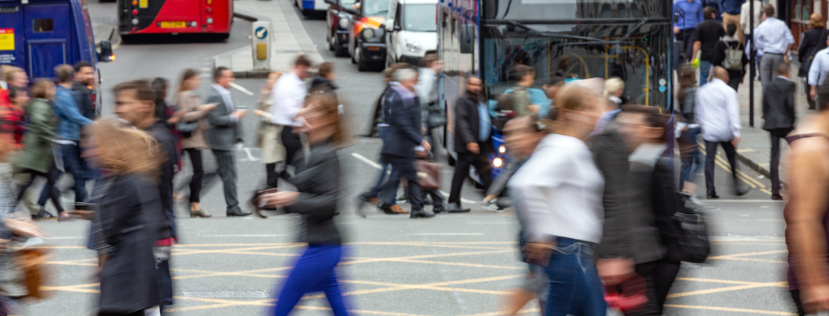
{"x":751,"y":61}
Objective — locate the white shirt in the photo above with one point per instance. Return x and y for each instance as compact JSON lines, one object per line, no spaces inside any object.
{"x":288,"y":99}
{"x":773,"y":36}
{"x":758,"y":12}
{"x":228,"y":100}
{"x":717,"y":110}
{"x":425,"y":85}
{"x":559,"y":191}
{"x":820,"y":68}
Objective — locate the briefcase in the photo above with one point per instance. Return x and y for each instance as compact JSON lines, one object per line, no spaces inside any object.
{"x":428,"y":174}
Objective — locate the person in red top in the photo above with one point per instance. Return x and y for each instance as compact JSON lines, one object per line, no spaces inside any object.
{"x":13,"y":114}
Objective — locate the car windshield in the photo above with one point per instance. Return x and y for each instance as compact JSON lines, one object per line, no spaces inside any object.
{"x":375,"y":7}
{"x":420,"y":18}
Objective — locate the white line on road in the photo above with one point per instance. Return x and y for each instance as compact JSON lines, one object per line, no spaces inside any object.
{"x":743,"y":201}
{"x":250,"y":156}
{"x":47,"y":238}
{"x":446,"y":234}
{"x":240,"y":88}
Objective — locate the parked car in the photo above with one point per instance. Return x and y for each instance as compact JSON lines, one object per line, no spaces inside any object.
{"x":309,"y":6}
{"x":338,"y":18}
{"x":367,"y":44}
{"x":411,"y":31}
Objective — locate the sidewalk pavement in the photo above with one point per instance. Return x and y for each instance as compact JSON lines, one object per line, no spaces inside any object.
{"x":754,"y":150}
{"x":288,"y":39}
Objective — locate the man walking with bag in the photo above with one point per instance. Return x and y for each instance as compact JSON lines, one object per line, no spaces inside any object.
{"x":779,"y":116}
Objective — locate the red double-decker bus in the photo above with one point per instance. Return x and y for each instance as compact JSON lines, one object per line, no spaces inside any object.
{"x":175,"y":17}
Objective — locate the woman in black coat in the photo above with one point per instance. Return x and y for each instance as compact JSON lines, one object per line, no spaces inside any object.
{"x":814,"y":40}
{"x":317,"y":181}
{"x":129,"y":219}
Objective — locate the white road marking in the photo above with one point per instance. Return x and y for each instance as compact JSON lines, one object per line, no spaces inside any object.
{"x":240,"y":88}
{"x":250,"y":156}
{"x":446,"y":234}
{"x":47,"y":238}
{"x":743,"y":201}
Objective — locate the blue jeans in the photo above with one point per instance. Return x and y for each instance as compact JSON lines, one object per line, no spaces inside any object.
{"x":704,"y":70}
{"x":71,"y":164}
{"x":313,"y":272}
{"x":575,"y":288}
{"x":692,"y":162}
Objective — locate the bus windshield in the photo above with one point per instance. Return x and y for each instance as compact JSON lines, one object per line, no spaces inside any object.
{"x":420,"y":18}
{"x":573,"y":9}
{"x":639,"y":59}
{"x":375,"y":7}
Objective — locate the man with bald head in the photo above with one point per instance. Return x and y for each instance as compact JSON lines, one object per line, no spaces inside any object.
{"x":717,"y":109}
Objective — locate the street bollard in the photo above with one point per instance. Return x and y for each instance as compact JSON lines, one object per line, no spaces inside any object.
{"x":261,"y":45}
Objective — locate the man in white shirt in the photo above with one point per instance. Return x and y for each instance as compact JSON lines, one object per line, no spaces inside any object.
{"x":718,"y":112}
{"x":288,"y":99}
{"x":431,"y":113}
{"x":817,"y":77}
{"x":774,"y":38}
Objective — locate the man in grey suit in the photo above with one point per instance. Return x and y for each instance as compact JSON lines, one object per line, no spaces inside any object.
{"x":779,"y":116}
{"x":223,"y":134}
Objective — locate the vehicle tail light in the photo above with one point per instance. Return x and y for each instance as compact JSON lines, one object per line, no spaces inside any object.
{"x":209,"y":1}
{"x":209,"y":10}
{"x":134,"y":2}
{"x":193,"y":24}
{"x":134,"y":11}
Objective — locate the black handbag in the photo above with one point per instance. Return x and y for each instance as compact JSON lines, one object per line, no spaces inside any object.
{"x":692,"y":233}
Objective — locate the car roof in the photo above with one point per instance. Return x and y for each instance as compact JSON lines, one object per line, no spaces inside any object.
{"x":417,"y":1}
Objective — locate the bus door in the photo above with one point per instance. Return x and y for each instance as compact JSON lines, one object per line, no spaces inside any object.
{"x":11,"y":34}
{"x":47,"y":28}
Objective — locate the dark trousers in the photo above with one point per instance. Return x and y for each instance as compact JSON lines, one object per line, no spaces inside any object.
{"x":664,"y":275}
{"x":313,"y":272}
{"x":292,"y":145}
{"x":776,"y":135}
{"x":710,"y":158}
{"x":647,"y":272}
{"x":464,"y":161}
{"x":51,"y":178}
{"x":227,"y":171}
{"x":798,"y":303}
{"x":812,"y":103}
{"x":198,"y":174}
{"x":734,"y":78}
{"x":402,"y":167}
{"x":72,"y":163}
{"x":272,"y":175}
{"x":166,"y":281}
{"x":687,"y":37}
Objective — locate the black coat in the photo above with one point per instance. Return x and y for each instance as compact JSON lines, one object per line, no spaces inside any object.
{"x":167,"y":170}
{"x":130,"y":221}
{"x":778,"y":104}
{"x":814,"y":40}
{"x":467,"y":122}
{"x":404,"y":131}
{"x":318,"y":181}
{"x":83,"y":98}
{"x":719,"y":56}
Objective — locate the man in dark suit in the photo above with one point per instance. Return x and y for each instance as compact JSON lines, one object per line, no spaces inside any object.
{"x":223,"y":134}
{"x":472,"y":132}
{"x":779,"y":116}
{"x":402,"y":113}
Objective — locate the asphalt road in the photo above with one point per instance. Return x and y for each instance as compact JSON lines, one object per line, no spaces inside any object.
{"x":459,"y":264}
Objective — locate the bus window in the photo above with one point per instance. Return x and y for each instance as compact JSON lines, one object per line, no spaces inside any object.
{"x":43,"y":25}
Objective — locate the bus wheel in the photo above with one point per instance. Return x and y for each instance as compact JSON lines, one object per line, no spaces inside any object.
{"x":127,"y":38}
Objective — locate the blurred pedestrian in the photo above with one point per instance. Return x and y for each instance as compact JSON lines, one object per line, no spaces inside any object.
{"x":814,"y":40}
{"x":559,"y":193}
{"x":193,"y":111}
{"x":807,"y":223}
{"x":729,"y":53}
{"x":731,"y":14}
{"x":324,"y":80}
{"x":70,"y":123}
{"x":717,"y":109}
{"x":521,"y":102}
{"x":522,"y":135}
{"x":432,"y":113}
{"x":688,"y":130}
{"x":223,"y":134}
{"x":129,"y":215}
{"x":614,"y":89}
{"x":134,"y":103}
{"x":689,"y":14}
{"x":288,"y":99}
{"x":318,"y":182}
{"x":779,"y":116}
{"x":473,"y":129}
{"x":15,"y":77}
{"x":748,"y":33}
{"x":402,"y":113}
{"x":818,"y":71}
{"x":37,"y":158}
{"x":707,"y":35}
{"x":13,"y":114}
{"x":612,"y":103}
{"x":775,"y":39}
{"x":84,"y":82}
{"x":268,"y":135}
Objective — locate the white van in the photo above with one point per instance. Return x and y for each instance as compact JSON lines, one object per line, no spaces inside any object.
{"x":411,"y":31}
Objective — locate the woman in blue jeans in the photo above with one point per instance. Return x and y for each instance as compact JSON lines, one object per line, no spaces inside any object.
{"x":558,"y":192}
{"x":688,"y":130}
{"x":317,"y":181}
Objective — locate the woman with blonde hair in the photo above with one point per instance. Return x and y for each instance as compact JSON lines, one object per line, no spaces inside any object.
{"x":558,"y":194}
{"x":128,"y":219}
{"x":614,"y":88}
{"x":814,"y":40}
{"x":193,"y":143}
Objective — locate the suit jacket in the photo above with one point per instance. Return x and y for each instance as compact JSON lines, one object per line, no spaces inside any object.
{"x":318,"y":181}
{"x":404,"y":131}
{"x":814,"y":40}
{"x":224,"y":129}
{"x":84,"y":100}
{"x":467,"y":123}
{"x":778,"y":104}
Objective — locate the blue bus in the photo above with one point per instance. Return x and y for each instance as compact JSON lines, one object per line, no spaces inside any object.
{"x":38,"y":35}
{"x":572,"y":39}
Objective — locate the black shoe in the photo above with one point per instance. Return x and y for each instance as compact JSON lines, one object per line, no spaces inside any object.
{"x":456,"y":208}
{"x":440,"y":208}
{"x":43,"y":214}
{"x":713,"y":196}
{"x":776,"y":197}
{"x":421,"y":214}
{"x":237,"y":213}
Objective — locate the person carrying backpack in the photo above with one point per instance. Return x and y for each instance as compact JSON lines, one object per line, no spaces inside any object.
{"x":729,"y":53}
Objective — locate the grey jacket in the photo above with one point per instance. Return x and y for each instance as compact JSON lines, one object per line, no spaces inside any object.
{"x":318,"y":181}
{"x":778,"y":104}
{"x":224,"y":131}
